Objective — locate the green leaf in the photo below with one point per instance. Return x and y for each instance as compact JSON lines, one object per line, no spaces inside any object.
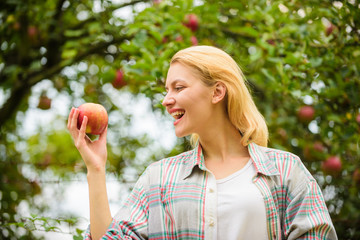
{"x":316,"y":61}
{"x":74,"y":33}
{"x":245,"y":31}
{"x":69,"y":53}
{"x":268,"y":75}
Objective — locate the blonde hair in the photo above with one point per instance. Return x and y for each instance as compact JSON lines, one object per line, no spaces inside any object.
{"x":214,"y":65}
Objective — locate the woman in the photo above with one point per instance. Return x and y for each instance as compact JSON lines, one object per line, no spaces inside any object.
{"x":230,"y":186}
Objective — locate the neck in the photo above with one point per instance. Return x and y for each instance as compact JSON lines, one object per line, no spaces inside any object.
{"x":222,"y":143}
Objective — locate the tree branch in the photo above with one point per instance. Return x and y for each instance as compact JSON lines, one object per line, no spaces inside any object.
{"x":47,"y":73}
{"x":81,"y":24}
{"x":19,"y":91}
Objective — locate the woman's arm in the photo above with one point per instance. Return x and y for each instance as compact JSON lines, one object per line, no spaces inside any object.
{"x":307,"y":216}
{"x":100,"y":216}
{"x":94,"y":154}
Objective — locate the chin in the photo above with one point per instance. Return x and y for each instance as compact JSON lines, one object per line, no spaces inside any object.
{"x":180,"y":134}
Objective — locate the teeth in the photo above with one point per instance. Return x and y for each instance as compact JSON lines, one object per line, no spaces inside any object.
{"x":177,"y":113}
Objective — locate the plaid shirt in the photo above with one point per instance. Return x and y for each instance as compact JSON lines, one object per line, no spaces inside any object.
{"x":172,"y":198}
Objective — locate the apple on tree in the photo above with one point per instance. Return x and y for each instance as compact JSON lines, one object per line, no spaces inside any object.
{"x":119,"y":80}
{"x":329,"y":29}
{"x":332,"y":165}
{"x":306,"y":114}
{"x":97,"y":118}
{"x":191,"y":21}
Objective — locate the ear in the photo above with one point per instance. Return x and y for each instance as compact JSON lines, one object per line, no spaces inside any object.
{"x":219,"y":92}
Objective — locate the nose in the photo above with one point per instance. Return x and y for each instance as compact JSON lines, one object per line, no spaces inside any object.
{"x":168,"y":100}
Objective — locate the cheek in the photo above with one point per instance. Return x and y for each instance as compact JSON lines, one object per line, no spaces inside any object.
{"x":201,"y":99}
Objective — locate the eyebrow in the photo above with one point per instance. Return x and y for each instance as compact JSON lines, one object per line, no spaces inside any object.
{"x":175,"y":82}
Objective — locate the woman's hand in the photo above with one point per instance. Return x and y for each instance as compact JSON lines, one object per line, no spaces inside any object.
{"x":94,"y":153}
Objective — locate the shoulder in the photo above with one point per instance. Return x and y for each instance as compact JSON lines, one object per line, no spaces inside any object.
{"x":281,"y":157}
{"x":180,"y":159}
{"x":289,"y":166}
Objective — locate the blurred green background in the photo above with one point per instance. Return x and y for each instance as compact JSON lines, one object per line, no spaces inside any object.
{"x":301,"y":60}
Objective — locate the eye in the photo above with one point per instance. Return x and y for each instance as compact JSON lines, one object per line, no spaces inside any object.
{"x":178,"y":88}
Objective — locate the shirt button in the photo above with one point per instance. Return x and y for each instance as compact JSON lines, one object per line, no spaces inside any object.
{"x":211,"y":190}
{"x":211,"y":223}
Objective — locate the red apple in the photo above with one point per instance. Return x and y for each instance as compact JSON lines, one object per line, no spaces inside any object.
{"x":119,"y":80}
{"x":191,"y":21}
{"x":44,"y":102}
{"x":97,"y":118}
{"x":194,"y":40}
{"x":329,"y":29}
{"x":332,"y":165}
{"x":306,"y":113}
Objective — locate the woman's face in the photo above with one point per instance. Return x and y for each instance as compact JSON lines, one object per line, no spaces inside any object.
{"x":188,"y":100}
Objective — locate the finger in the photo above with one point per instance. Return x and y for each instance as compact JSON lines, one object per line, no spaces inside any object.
{"x":70,"y":117}
{"x":74,"y":119}
{"x":83,"y":128}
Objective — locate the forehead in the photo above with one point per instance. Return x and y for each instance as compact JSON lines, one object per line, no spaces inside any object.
{"x":178,"y":71}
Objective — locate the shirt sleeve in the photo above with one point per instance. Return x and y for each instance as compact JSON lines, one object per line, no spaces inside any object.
{"x":131,"y":221}
{"x":113,"y":232}
{"x":307,"y":216}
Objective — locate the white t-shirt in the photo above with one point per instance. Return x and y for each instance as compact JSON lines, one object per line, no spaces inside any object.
{"x":241,"y":210}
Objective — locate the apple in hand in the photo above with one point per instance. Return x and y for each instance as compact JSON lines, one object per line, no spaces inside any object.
{"x":332,"y":165}
{"x":97,"y":118}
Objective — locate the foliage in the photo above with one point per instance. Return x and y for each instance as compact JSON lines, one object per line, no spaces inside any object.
{"x":46,"y":224}
{"x":293,"y":53}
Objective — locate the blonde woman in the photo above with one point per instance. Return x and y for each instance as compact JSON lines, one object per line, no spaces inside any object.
{"x":230,"y":186}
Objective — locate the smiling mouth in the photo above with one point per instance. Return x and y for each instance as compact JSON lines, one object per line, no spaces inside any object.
{"x":178,"y":114}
